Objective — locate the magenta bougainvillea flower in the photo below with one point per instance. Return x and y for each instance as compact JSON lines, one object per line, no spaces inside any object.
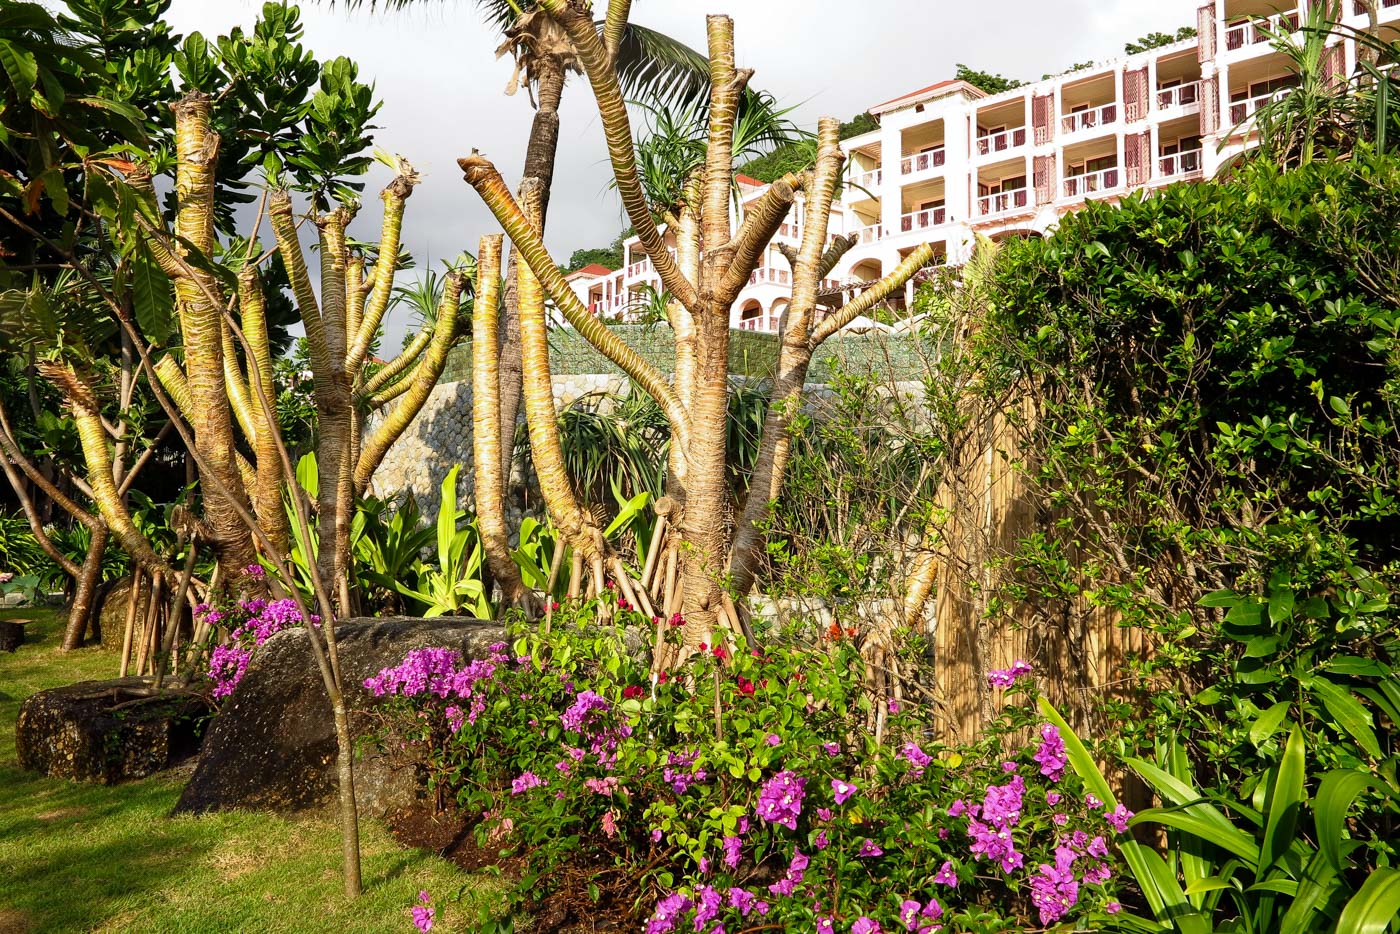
{"x":1005,"y":677}
{"x":780,"y":799}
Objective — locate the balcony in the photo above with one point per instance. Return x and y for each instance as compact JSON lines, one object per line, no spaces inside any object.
{"x":867,"y":180}
{"x":1078,"y":186}
{"x":1257,"y":31}
{"x":1088,"y":119}
{"x":770,"y":276}
{"x":1182,"y":95}
{"x":638,"y":268}
{"x":922,"y":161}
{"x":920,"y":220}
{"x":1003,"y":202}
{"x":1240,"y":111}
{"x":1004,"y":141}
{"x":869,"y":234}
{"x":1180,"y":164}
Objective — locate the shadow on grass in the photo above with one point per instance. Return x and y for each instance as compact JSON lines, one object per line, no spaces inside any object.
{"x":78,"y":855}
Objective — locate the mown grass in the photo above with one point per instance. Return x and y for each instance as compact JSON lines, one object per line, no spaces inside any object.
{"x":79,"y":857}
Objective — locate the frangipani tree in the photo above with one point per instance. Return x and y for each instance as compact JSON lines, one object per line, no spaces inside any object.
{"x":712,"y":261}
{"x":652,"y":68}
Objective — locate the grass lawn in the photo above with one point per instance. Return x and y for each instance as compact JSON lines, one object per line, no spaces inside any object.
{"x":91,"y":858}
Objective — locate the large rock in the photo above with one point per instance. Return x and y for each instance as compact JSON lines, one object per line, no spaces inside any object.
{"x":107,"y":731}
{"x":112,"y":614}
{"x":272,"y":745}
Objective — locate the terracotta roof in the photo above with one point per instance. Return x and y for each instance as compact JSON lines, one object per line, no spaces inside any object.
{"x":748,"y":180}
{"x":592,"y":269}
{"x":921,"y":92}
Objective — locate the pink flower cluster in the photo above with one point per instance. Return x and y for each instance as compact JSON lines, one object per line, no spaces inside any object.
{"x":261,"y":621}
{"x":1005,"y":677}
{"x":780,"y":799}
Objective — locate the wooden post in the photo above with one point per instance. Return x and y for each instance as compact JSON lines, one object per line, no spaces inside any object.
{"x":131,"y":599}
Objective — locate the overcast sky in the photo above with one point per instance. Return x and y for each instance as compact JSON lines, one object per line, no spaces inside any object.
{"x":434,"y":67}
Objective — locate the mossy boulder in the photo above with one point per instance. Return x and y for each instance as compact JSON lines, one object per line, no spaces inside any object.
{"x":272,"y":745}
{"x":108,"y":731}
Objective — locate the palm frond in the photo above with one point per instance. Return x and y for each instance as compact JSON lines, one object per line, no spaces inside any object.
{"x":655,"y":67}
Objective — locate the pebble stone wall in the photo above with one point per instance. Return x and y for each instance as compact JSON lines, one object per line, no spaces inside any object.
{"x":441,"y":435}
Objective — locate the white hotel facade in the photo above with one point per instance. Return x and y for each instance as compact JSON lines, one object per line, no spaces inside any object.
{"x":949,"y":162}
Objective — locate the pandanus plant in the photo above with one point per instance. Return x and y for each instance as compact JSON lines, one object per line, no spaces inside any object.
{"x":712,"y":261}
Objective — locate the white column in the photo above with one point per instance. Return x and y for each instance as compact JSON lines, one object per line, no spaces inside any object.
{"x":957,"y":165}
{"x":891,"y":149}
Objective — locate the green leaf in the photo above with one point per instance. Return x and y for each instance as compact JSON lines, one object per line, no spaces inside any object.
{"x":56,"y":188}
{"x":1267,"y":723}
{"x":1284,"y":802}
{"x":1234,"y":840}
{"x":1335,"y":794}
{"x":1348,"y":713}
{"x":151,"y":297}
{"x":20,"y":65}
{"x":1374,"y":908}
{"x":1225,"y":598}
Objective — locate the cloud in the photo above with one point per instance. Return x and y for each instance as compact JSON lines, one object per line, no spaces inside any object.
{"x":434,"y":67}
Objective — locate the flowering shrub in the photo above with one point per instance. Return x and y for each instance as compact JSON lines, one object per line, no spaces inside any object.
{"x":250,"y":623}
{"x":745,"y":791}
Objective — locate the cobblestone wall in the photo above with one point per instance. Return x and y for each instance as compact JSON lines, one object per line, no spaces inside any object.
{"x":441,"y":435}
{"x":750,"y":354}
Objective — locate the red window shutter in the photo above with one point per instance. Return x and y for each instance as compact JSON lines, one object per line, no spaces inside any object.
{"x":1044,"y":178}
{"x":1135,"y":94}
{"x":1135,"y":159}
{"x":1042,"y":118}
{"x":1210,"y":106}
{"x":1334,"y":65}
{"x":1205,"y":32}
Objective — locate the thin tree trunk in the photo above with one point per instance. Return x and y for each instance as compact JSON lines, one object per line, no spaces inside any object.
{"x":540,"y":156}
{"x":488,"y":430}
{"x":85,"y":591}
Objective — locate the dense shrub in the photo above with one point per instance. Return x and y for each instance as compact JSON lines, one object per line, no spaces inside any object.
{"x":748,"y":786}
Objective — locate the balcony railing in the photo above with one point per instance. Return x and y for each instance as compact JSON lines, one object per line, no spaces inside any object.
{"x":922,"y":161}
{"x":1256,"y":31}
{"x":771,"y":275}
{"x":1003,"y":201}
{"x":1240,"y":111}
{"x":867,"y":180}
{"x":1077,"y":186}
{"x":638,"y":268}
{"x":1183,"y":95}
{"x":1013,"y":138}
{"x":919,"y":220}
{"x":1093,"y":117}
{"x":869,"y":234}
{"x":1179,"y":163}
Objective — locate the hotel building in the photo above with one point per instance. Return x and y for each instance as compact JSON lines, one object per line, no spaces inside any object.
{"x":949,"y":161}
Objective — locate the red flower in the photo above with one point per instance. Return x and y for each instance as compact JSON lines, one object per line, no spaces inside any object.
{"x":662,"y":678}
{"x":677,"y":620}
{"x":721,"y":652}
{"x":851,"y":632}
{"x":554,"y":606}
{"x":745,"y":686}
{"x":834,"y":632}
{"x":632,"y":690}
{"x":622,"y":604}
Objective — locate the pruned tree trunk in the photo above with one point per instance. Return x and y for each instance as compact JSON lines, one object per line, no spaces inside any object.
{"x":713,"y":262}
{"x":86,"y":587}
